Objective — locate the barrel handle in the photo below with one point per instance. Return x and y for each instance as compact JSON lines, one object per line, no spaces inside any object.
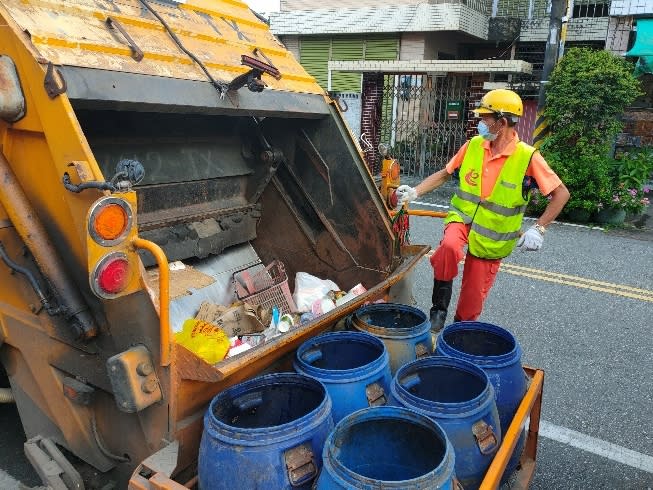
{"x":248,"y":401}
{"x":300,"y":464}
{"x":312,"y":355}
{"x":421,"y":350}
{"x":486,"y":439}
{"x":410,"y":381}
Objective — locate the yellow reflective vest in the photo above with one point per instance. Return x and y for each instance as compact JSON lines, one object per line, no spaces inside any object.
{"x":495,"y":221}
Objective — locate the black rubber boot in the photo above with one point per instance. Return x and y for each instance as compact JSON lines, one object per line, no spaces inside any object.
{"x":440,"y":299}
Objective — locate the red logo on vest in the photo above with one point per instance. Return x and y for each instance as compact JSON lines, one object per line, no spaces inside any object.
{"x":470,"y":178}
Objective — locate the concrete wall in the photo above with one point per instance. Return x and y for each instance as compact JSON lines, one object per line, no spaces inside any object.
{"x":352,"y":102}
{"x":411,"y":46}
{"x":292,"y":44}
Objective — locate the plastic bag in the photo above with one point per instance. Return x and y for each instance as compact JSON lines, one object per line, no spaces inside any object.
{"x":204,"y":340}
{"x":309,"y":289}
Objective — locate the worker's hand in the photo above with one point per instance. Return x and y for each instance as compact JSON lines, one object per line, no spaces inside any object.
{"x":405,"y":194}
{"x":531,"y":240}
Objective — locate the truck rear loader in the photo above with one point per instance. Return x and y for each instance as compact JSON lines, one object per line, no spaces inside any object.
{"x":135,"y":134}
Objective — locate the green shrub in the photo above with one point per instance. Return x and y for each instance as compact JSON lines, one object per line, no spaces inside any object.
{"x":585,"y":98}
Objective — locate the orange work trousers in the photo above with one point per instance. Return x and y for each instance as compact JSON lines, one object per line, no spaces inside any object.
{"x":478,"y":274}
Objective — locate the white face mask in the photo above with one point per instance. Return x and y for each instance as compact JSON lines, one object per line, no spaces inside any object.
{"x":484,"y":131}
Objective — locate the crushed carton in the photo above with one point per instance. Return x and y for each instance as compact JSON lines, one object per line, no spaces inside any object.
{"x":238,"y":319}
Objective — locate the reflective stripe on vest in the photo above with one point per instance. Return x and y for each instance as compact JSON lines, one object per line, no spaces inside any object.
{"x":495,"y":221}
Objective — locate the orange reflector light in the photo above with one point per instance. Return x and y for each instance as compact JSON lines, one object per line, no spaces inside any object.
{"x":110,"y":222}
{"x":111,"y":275}
{"x":394,"y":170}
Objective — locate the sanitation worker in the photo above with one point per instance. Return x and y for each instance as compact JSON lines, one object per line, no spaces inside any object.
{"x":497,"y":172}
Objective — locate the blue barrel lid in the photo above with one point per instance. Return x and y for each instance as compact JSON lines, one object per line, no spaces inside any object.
{"x":364,"y":317}
{"x":249,"y":395}
{"x":312,"y":351}
{"x":510,"y":353}
{"x":350,"y":479}
{"x":479,"y":395}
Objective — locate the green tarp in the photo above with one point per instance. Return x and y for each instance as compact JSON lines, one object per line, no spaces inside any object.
{"x":643,"y":47}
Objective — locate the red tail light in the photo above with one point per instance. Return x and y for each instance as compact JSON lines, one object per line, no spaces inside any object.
{"x":111,"y":275}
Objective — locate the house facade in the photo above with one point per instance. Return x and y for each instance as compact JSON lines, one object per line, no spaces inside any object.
{"x":408,"y":72}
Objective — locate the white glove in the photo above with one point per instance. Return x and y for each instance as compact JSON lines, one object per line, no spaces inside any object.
{"x":405,"y":194}
{"x":531,"y":240}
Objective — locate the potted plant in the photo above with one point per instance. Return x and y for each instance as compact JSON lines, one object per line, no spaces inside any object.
{"x":619,"y":201}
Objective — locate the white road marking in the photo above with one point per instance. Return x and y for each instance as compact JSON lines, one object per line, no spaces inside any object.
{"x":596,"y":446}
{"x":7,"y":482}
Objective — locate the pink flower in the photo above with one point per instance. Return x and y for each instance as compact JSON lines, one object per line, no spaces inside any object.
{"x":615,"y":198}
{"x":646,"y":189}
{"x":645,"y":201}
{"x":632,"y":192}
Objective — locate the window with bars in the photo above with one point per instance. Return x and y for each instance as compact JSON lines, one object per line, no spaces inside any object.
{"x":537,"y":9}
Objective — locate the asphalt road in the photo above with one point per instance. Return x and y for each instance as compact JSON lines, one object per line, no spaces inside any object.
{"x":593,"y":339}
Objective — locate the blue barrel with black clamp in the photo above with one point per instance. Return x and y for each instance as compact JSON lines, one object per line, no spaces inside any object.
{"x":265,"y":433}
{"x":354,"y":367}
{"x":387,"y":448}
{"x":405,"y":330}
{"x":459,"y":397}
{"x":495,"y":350}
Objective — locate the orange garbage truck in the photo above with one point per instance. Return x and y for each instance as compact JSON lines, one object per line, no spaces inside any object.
{"x":149,"y":150}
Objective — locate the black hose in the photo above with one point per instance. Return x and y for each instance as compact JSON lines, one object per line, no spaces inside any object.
{"x":30,"y":277}
{"x":76,"y":188}
{"x":219,"y":86}
{"x":260,"y":17}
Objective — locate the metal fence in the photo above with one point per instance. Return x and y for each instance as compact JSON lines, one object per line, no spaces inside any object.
{"x":423,"y":120}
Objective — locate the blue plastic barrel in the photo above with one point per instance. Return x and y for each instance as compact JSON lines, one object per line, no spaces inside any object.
{"x":405,"y":331}
{"x":387,"y":447}
{"x":265,"y":433}
{"x":459,"y":397}
{"x":497,"y":352}
{"x":354,"y":367}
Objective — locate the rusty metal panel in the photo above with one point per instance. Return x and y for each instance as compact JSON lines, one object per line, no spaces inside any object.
{"x":12,"y":100}
{"x":124,"y":36}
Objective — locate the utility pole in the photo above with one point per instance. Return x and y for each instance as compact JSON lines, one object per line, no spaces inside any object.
{"x":554,"y":51}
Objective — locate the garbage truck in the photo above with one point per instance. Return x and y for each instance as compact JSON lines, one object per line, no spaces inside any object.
{"x":139,"y":134}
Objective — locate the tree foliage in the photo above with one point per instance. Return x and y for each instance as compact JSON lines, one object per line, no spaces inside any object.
{"x":585,"y":99}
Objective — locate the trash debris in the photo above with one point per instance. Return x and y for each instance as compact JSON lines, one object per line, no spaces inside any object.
{"x":309,"y":289}
{"x":183,"y":279}
{"x":265,"y":286}
{"x":203,"y":339}
{"x":238,"y":319}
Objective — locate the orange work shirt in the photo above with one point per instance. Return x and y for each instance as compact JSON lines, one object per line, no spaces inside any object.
{"x":546,"y":179}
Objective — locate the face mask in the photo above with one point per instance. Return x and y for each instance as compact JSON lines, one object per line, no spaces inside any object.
{"x":484,"y":131}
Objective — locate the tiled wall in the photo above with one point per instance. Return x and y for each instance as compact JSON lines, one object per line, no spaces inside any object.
{"x":631,"y":7}
{"x":582,"y":29}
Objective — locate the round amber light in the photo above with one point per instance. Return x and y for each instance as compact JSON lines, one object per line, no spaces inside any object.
{"x":110,"y":222}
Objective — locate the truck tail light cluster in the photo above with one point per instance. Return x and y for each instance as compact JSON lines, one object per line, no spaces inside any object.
{"x":111,"y":258}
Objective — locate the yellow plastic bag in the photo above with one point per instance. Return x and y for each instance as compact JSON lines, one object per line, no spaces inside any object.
{"x":203,"y":339}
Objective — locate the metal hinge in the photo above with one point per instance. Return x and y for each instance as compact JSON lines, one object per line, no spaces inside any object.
{"x":375,"y":395}
{"x":485,"y":438}
{"x":300,"y":464}
{"x":421,"y":350}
